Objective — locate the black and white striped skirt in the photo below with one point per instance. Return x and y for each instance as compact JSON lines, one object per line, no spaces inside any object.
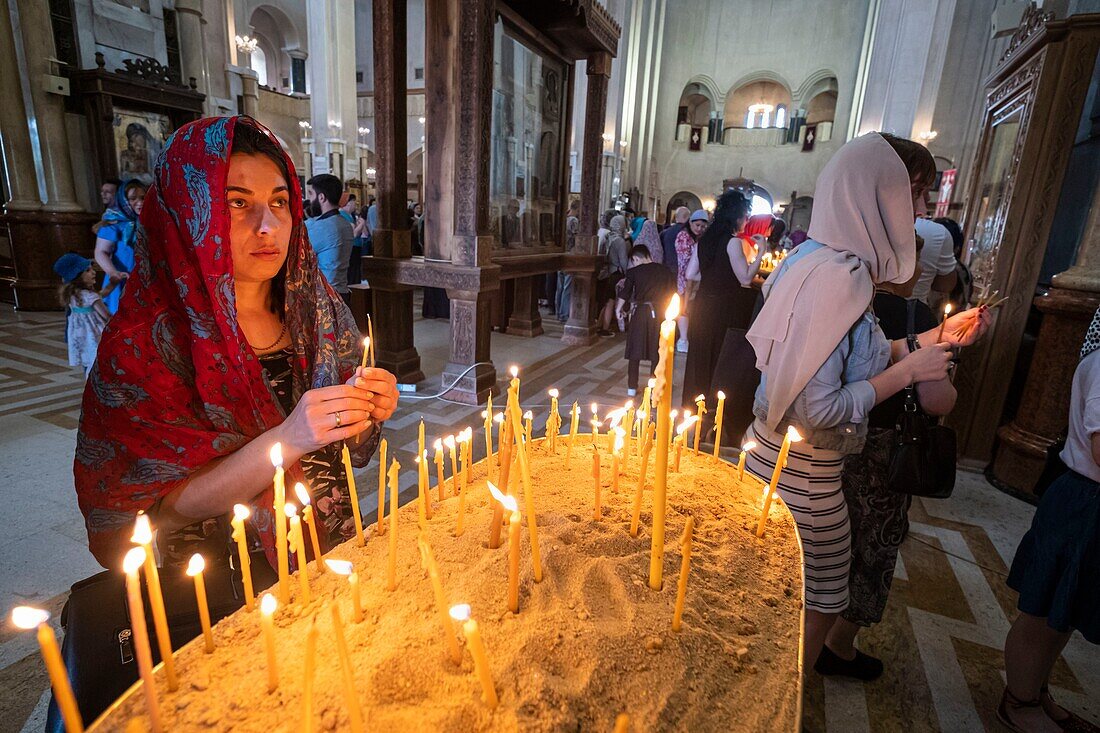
{"x":810,"y":487}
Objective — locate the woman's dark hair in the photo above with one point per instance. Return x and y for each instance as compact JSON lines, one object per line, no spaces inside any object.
{"x":779,"y":228}
{"x":248,"y":140}
{"x":729,"y":214}
{"x":955,"y":231}
{"x":918,"y":161}
{"x":640,"y":251}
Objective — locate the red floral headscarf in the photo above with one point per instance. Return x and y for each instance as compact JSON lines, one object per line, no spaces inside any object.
{"x":175,"y":384}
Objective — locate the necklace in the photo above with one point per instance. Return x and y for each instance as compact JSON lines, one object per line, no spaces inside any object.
{"x":273,"y":343}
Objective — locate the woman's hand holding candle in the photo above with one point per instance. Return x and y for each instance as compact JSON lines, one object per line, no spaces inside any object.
{"x":962,"y":329}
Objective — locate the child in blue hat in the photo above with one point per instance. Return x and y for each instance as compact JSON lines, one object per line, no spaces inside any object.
{"x":87,"y":315}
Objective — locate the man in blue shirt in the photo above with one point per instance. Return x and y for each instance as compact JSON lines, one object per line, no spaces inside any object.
{"x":329,"y":233}
{"x":668,"y":237}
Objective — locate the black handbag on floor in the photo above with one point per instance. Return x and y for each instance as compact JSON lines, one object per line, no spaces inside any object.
{"x":97,"y":647}
{"x":923,"y":459}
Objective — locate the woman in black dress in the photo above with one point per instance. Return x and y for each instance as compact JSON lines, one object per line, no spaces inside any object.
{"x":647,"y":288}
{"x":724,"y":297}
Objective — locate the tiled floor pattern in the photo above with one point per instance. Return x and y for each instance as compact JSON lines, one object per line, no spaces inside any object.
{"x":940,"y":639}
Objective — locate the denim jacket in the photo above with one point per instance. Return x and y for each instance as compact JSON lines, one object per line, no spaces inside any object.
{"x":831,"y":411}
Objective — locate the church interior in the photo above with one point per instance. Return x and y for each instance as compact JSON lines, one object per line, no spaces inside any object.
{"x":488,"y":155}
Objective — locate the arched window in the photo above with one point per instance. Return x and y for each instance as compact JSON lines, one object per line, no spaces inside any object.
{"x":259,"y":64}
{"x":781,"y":116}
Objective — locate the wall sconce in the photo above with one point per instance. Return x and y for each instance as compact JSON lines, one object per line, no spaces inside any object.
{"x":708,"y":204}
{"x":364,"y":130}
{"x":927,"y":137}
{"x":622,"y":143}
{"x":607,"y":137}
{"x":371,"y":172}
{"x":245,"y":44}
{"x":422,"y":120}
{"x":305,"y":126}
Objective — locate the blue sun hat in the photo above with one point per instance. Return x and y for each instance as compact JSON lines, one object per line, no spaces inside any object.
{"x":71,"y":266}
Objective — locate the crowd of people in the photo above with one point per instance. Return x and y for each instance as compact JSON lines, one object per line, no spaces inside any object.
{"x":228,"y":349}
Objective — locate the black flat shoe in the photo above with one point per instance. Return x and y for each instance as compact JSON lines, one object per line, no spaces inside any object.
{"x":863,"y":667}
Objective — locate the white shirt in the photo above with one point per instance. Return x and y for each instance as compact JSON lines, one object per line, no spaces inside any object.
{"x":937,"y":257}
{"x":1084,"y":417}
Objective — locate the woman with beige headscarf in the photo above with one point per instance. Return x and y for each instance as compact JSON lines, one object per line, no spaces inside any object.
{"x":823,"y":358}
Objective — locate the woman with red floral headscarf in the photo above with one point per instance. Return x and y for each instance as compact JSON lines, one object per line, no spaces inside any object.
{"x":229,"y":340}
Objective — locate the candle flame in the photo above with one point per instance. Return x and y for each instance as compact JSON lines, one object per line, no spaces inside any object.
{"x":700,"y":398}
{"x":499,"y":417}
{"x":133,"y":561}
{"x":793,"y":435}
{"x":195,"y":565}
{"x":277,"y":455}
{"x":241,"y":512}
{"x":721,"y":395}
{"x":554,"y":393}
{"x":615,"y":417}
{"x":946,"y":310}
{"x":461,"y":612}
{"x":366,"y":343}
{"x":506,"y":501}
{"x":449,"y":441}
{"x":749,"y":445}
{"x":528,"y":415}
{"x":672,"y":415}
{"x":290,"y":510}
{"x":651,"y":383}
{"x":143,"y":530}
{"x":484,"y":414}
{"x":619,"y":435}
{"x":340,"y":567}
{"x":514,"y":371}
{"x":268,"y":604}
{"x":673,"y":308}
{"x":689,"y":420}
{"x":302,"y":494}
{"x":438,"y":445}
{"x":595,"y":408}
{"x":26,"y":617}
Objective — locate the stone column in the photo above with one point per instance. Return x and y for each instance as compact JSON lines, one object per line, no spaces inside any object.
{"x":250,"y":93}
{"x":49,"y":109}
{"x":525,"y":319}
{"x":18,"y":155}
{"x":581,"y":327}
{"x":392,"y":301}
{"x":468,"y":153}
{"x":192,"y":46}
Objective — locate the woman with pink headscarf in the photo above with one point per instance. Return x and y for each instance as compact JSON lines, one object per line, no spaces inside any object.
{"x":823,"y":358}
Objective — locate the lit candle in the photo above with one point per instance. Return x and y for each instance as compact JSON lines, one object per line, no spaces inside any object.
{"x":718,"y":422}
{"x":241,"y":513}
{"x":28,"y":618}
{"x":663,"y":388}
{"x":510,"y":505}
{"x":499,"y":420}
{"x":506,"y":450}
{"x":366,"y":352}
{"x":616,"y":452}
{"x":420,"y":438}
{"x":422,"y":475}
{"x":298,"y":545}
{"x":636,"y":517}
{"x":490,"y":459}
{"x":438,"y":445}
{"x":427,"y":560}
{"x":353,"y":495}
{"x":685,"y":568}
{"x":461,"y":613}
{"x":551,"y":419}
{"x":421,"y":508}
{"x":513,"y":386}
{"x":450,"y":442}
{"x":629,"y":419}
{"x":279,"y":517}
{"x":139,"y":633}
{"x":351,"y":700}
{"x":681,"y":435}
{"x":741,"y":459}
{"x":307,"y":517}
{"x":391,"y":567}
{"x":370,"y":335}
{"x":528,"y":418}
{"x":792,"y":436}
{"x":574,"y":422}
{"x":700,"y":410}
{"x":946,"y":313}
{"x":646,"y":408}
{"x":613,"y":419}
{"x":268,"y":604}
{"x":382,"y":447}
{"x":307,"y":676}
{"x":345,"y":568}
{"x":596,"y":480}
{"x":528,"y":491}
{"x":466,"y":435}
{"x":194,"y":568}
{"x":595,"y":427}
{"x":143,"y":535}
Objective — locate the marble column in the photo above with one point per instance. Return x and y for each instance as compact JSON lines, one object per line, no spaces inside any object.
{"x":250,"y":93}
{"x":392,"y":301}
{"x":525,"y":319}
{"x":18,"y":155}
{"x":49,"y":109}
{"x":581,"y":327}
{"x":332,"y":76}
{"x":192,"y":45}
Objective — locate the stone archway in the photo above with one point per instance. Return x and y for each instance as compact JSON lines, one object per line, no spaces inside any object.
{"x":681,"y":198}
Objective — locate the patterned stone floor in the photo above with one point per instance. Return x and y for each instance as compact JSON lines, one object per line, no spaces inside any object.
{"x":940,"y":639}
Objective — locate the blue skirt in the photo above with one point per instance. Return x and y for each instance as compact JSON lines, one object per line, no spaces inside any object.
{"x":1057,"y":565}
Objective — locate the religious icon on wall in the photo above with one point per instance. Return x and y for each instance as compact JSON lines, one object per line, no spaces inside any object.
{"x":810,"y":139}
{"x":695,"y":140}
{"x":139,"y":137}
{"x":946,"y":187}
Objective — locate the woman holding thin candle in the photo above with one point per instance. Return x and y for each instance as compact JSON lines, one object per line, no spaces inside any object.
{"x":824,"y":360}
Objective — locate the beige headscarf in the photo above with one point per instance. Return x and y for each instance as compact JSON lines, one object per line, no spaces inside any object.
{"x":863,"y":214}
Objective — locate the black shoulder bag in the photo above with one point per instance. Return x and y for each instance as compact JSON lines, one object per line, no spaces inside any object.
{"x":923,"y":459}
